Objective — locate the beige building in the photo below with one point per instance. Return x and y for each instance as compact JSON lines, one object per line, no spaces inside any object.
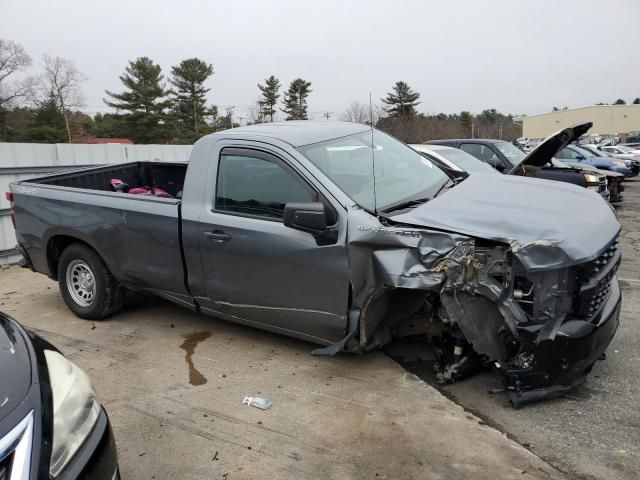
{"x":607,"y":120}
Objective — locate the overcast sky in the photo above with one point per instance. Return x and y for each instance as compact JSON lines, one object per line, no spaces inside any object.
{"x":516,"y":56}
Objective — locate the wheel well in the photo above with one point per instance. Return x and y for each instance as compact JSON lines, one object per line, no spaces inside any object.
{"x":55,"y":247}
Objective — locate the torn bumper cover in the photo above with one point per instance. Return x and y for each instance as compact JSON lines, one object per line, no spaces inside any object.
{"x":540,"y":319}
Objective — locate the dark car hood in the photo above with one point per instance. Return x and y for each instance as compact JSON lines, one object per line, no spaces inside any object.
{"x":544,"y":152}
{"x":548,"y":224}
{"x":15,"y":366}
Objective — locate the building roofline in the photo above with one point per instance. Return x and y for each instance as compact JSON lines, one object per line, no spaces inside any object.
{"x":520,"y":118}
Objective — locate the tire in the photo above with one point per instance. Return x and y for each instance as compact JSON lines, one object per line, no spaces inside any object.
{"x":86,"y":284}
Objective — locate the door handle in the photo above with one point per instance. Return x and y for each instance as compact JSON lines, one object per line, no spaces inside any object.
{"x":218,"y":236}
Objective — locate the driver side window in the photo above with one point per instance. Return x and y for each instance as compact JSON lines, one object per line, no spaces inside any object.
{"x":257,"y":184}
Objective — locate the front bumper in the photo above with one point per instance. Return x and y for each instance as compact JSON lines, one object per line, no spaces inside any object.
{"x":565,"y":361}
{"x":97,"y":459}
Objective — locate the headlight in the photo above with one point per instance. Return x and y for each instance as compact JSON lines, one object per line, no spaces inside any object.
{"x":618,"y":163}
{"x":75,"y":409}
{"x":591,"y":179}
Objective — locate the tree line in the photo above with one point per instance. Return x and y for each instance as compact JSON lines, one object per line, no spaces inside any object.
{"x":153,"y":108}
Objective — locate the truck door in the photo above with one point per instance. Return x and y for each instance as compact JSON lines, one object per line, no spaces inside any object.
{"x":256,"y":270}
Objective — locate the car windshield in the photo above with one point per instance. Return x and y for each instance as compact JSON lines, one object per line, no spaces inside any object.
{"x":401,"y":174}
{"x":466,"y":162}
{"x":586,"y":152}
{"x":511,"y":152}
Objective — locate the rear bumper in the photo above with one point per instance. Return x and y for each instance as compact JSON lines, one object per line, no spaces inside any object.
{"x":25,"y":261}
{"x":565,"y":361}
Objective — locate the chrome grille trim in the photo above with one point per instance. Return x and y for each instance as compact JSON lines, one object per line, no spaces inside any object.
{"x":19,"y":442}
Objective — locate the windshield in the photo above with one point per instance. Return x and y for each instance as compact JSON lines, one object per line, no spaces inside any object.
{"x":588,"y":153}
{"x":511,"y":152}
{"x":401,"y":174}
{"x":466,"y":162}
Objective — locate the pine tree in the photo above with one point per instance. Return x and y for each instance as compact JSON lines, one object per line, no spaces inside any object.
{"x":295,"y":100}
{"x":188,"y":104}
{"x":270,"y":94}
{"x":636,"y":101}
{"x":402,"y":101}
{"x":144,"y":102}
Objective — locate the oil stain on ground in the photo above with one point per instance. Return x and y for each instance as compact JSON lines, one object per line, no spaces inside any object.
{"x":189,"y":345}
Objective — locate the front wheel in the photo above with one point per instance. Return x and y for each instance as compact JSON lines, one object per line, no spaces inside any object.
{"x":86,"y":284}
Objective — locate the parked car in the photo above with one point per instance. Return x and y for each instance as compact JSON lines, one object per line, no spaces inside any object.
{"x":634,"y":165}
{"x":589,"y":178}
{"x":341,"y":235}
{"x":51,"y":425}
{"x":453,"y":158}
{"x":622,"y":151}
{"x":504,"y":156}
{"x":613,"y":180}
{"x":575,"y":153}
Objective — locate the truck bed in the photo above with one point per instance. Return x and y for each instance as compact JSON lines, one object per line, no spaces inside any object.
{"x":167,"y":176}
{"x":137,"y":236}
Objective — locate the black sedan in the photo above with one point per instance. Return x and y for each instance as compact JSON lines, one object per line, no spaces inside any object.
{"x":51,"y":425}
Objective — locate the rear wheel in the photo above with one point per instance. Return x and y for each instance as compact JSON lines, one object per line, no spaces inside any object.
{"x":86,"y":284}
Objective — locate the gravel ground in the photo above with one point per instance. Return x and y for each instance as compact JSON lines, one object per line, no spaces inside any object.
{"x":593,"y":432}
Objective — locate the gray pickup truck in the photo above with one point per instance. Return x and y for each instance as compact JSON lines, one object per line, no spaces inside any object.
{"x":339,"y":234}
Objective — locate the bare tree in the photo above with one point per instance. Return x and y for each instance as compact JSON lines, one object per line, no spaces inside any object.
{"x":14,"y":60}
{"x":63,"y":80}
{"x":358,"y":112}
{"x":255,"y":113}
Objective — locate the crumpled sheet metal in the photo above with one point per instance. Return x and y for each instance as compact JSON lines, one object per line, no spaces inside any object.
{"x":396,"y":257}
{"x":546,"y":225}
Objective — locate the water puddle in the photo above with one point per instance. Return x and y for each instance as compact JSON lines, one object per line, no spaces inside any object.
{"x":189,"y":345}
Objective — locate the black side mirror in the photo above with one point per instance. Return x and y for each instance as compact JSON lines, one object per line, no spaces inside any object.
{"x":499,"y":167}
{"x":307,"y":217}
{"x":579,"y":156}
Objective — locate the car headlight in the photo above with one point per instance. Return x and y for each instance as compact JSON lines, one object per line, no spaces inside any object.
{"x":591,"y":178}
{"x":75,"y":409}
{"x":618,"y":163}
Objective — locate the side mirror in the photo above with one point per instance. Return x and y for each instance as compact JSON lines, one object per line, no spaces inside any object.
{"x":499,"y":167}
{"x":579,"y":156}
{"x":307,"y":217}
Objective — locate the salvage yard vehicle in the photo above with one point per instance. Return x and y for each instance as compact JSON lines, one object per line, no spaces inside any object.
{"x":341,"y":235}
{"x":453,"y":158}
{"x":575,"y":153}
{"x":505,"y":157}
{"x":51,"y":425}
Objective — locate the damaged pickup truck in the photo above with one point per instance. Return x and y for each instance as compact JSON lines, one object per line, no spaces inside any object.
{"x":339,"y":234}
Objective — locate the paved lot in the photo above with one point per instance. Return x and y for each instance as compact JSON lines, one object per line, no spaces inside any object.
{"x":594,"y":431}
{"x":173,"y":383}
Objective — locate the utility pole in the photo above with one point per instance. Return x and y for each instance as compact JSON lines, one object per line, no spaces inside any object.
{"x":327,"y":115}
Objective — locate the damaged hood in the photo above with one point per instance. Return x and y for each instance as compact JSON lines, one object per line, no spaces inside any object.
{"x":547,"y":224}
{"x":544,"y":152}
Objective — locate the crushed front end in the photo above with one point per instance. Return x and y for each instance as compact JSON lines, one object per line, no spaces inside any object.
{"x":537,"y":318}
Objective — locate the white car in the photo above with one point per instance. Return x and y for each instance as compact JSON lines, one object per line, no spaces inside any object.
{"x":621,"y":151}
{"x":454,"y":158}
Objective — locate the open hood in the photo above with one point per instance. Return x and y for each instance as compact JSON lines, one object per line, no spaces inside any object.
{"x":543,"y":153}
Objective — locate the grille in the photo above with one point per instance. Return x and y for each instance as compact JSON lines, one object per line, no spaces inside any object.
{"x":597,"y":276}
{"x":602,"y":185}
{"x":595,"y":267}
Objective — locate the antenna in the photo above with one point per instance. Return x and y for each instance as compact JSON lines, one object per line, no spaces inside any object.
{"x":373,"y":157}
